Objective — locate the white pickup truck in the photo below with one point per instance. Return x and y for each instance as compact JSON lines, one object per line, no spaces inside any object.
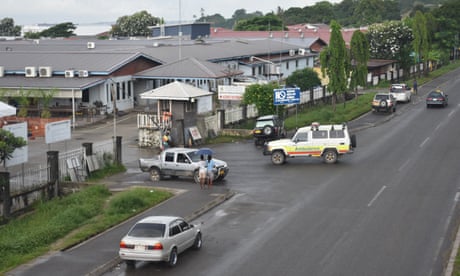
{"x":179,"y":162}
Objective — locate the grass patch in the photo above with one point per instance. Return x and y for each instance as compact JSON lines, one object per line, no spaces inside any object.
{"x":108,"y":170}
{"x":324,"y":114}
{"x":227,"y":139}
{"x":66,"y":221}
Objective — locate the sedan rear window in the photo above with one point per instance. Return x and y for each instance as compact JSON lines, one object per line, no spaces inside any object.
{"x":435,"y":95}
{"x":147,"y":230}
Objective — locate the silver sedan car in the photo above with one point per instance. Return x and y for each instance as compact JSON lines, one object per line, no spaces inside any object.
{"x":159,"y":238}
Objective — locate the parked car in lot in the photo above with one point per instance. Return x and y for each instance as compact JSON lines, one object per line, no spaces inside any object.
{"x":319,"y":141}
{"x":179,"y":162}
{"x":159,"y":238}
{"x":401,"y":92}
{"x":384,"y":102}
{"x":268,"y":128}
{"x":436,"y":98}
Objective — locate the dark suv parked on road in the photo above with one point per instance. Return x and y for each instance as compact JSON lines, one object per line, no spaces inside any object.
{"x":268,"y":128}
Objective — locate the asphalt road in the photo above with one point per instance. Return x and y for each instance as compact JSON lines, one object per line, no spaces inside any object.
{"x":388,"y":209}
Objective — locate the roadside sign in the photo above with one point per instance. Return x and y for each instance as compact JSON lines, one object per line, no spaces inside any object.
{"x":20,"y":155}
{"x":57,"y":131}
{"x":286,"y":96}
{"x":230,"y":92}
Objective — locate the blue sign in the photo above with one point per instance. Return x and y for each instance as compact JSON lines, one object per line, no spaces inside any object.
{"x":286,"y":96}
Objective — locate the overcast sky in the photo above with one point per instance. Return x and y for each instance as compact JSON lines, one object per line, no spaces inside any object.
{"x":26,"y":12}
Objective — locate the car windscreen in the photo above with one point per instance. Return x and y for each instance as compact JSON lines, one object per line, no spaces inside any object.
{"x":194,"y":156}
{"x":147,"y":230}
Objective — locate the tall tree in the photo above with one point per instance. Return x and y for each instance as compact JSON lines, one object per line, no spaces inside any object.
{"x":7,"y":27}
{"x":135,"y":25}
{"x":421,"y":39}
{"x":60,"y":30}
{"x":359,"y":54}
{"x":335,"y":62}
{"x":391,"y":40}
{"x":304,"y":79}
{"x":269,"y":22}
{"x":261,"y":95}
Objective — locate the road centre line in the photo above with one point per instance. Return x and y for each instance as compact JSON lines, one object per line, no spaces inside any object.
{"x":376,"y":196}
{"x":424,"y":142}
{"x":404,"y":165}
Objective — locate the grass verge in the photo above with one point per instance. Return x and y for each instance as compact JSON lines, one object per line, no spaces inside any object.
{"x":66,"y":221}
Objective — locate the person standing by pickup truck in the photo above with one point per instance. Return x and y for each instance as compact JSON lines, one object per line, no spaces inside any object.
{"x":166,"y":140}
{"x":210,"y":171}
{"x":202,"y":171}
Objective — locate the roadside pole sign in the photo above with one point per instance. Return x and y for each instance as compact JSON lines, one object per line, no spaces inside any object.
{"x":286,"y":96}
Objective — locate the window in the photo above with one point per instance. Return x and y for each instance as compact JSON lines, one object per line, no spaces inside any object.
{"x":169,"y":157}
{"x":337,"y":134}
{"x":174,"y":230}
{"x":184,"y":225}
{"x":181,"y":158}
{"x":148,"y":230}
{"x":302,"y":136}
{"x":319,"y":134}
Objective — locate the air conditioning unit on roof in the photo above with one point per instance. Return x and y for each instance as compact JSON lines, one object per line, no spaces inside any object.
{"x":291,"y":53}
{"x":45,"y":71}
{"x":69,"y":73}
{"x":30,"y":71}
{"x":2,"y":71}
{"x":302,"y":51}
{"x":83,"y":73}
{"x":91,"y":45}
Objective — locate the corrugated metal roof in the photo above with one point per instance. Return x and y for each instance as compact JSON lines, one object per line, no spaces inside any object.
{"x":188,"y":68}
{"x":60,"y":61}
{"x":50,"y":83}
{"x":178,"y":91}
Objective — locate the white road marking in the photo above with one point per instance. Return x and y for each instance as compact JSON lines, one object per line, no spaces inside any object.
{"x":404,"y":165}
{"x":376,"y":196}
{"x":424,"y":142}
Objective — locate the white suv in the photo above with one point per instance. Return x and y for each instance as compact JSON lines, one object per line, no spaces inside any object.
{"x":322,"y":141}
{"x":401,"y":92}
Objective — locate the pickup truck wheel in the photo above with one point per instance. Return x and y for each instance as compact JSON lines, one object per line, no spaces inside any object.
{"x":330,"y":156}
{"x":278,"y":157}
{"x":155,"y":174}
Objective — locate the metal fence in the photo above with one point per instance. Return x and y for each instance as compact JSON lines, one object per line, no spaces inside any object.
{"x":30,"y":179}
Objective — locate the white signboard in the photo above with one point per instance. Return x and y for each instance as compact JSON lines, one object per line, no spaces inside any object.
{"x":20,"y":155}
{"x":57,"y":131}
{"x":195,"y":133}
{"x":230,"y":92}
